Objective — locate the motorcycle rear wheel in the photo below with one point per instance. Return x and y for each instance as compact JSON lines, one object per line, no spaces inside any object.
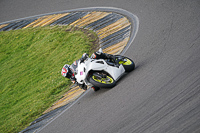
{"x":129,"y":65}
{"x":107,"y":82}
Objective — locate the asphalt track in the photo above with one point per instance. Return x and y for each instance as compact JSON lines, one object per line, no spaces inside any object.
{"x":162,"y":95}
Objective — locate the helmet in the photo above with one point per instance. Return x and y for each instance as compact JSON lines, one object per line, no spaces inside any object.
{"x":66,"y":71}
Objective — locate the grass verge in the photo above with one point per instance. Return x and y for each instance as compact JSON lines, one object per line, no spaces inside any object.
{"x":30,"y":76}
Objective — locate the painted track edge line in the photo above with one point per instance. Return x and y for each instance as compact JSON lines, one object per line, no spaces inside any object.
{"x":134,"y":29}
{"x":40,"y":129}
{"x":128,"y":14}
{"x":133,"y":18}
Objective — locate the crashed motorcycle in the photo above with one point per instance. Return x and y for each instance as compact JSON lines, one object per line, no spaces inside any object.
{"x":103,"y":73}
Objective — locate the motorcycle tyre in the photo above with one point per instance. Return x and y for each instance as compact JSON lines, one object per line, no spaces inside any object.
{"x":131,"y":67}
{"x":102,"y":85}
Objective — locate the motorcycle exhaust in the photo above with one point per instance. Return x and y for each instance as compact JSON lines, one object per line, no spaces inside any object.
{"x":99,"y":75}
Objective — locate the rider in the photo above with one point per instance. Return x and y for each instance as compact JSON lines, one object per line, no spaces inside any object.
{"x":68,"y":71}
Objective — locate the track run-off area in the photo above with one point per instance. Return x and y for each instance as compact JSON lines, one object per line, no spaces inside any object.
{"x":162,"y":94}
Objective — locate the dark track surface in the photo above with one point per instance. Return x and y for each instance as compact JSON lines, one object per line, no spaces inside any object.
{"x":162,"y":94}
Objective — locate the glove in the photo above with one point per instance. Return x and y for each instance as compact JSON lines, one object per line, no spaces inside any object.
{"x":84,"y":56}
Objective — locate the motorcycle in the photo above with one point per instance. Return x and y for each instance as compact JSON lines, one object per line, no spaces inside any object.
{"x":103,"y":73}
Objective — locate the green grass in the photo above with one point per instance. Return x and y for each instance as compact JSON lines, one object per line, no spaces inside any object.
{"x":30,"y":71}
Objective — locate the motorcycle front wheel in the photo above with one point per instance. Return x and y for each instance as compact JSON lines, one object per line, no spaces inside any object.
{"x":107,"y":82}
